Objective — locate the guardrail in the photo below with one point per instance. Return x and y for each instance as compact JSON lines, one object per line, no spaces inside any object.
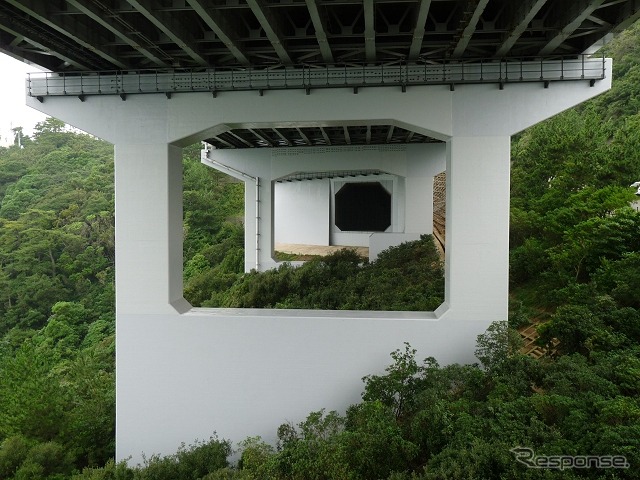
{"x":309,"y":77}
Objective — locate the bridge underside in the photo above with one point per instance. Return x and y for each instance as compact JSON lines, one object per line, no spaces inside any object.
{"x":84,"y":35}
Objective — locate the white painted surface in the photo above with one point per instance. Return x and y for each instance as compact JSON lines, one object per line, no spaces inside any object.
{"x":419,"y":186}
{"x":245,"y":373}
{"x":301,"y":212}
{"x":190,"y":117}
{"x":148,"y":188}
{"x":477,"y":239}
{"x":352,"y":239}
{"x":182,"y":376}
{"x":382,"y":241}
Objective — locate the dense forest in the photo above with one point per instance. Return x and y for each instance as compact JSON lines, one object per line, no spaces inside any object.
{"x":575,"y":272}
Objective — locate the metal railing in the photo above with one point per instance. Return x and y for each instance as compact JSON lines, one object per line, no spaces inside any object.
{"x":301,"y":176}
{"x":309,"y":77}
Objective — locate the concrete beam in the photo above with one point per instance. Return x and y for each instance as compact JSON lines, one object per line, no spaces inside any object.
{"x":197,"y":116}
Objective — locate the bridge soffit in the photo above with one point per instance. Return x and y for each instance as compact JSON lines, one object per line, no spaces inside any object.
{"x":138,"y":34}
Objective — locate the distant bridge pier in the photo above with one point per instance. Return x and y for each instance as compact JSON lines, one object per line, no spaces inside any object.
{"x":296,"y":189}
{"x":183,"y":373}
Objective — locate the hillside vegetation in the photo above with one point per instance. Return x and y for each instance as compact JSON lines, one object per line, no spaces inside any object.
{"x":575,"y":267}
{"x":407,"y":277}
{"x":57,"y":402}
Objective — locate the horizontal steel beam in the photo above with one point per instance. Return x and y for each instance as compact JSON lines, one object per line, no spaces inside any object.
{"x":308,"y":78}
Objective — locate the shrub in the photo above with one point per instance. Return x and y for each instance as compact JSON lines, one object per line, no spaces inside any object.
{"x":13,"y":452}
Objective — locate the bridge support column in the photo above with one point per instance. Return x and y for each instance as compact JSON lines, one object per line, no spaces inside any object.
{"x":477,"y":238}
{"x":148,"y":183}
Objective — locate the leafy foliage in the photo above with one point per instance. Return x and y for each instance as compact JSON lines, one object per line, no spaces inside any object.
{"x":56,"y":227}
{"x":407,"y":277}
{"x":213,"y":215}
{"x":193,"y":462}
{"x":56,"y":304}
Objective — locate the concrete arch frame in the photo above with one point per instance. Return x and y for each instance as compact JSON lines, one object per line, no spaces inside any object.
{"x":183,"y":373}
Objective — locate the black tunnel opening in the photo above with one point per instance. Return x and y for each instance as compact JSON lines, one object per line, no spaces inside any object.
{"x":363,"y":207}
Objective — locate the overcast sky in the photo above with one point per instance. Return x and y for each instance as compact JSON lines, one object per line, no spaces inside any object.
{"x":13,"y":111}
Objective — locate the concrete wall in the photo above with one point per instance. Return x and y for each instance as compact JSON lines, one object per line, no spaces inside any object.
{"x":419,"y":188}
{"x":182,"y":374}
{"x":301,"y":212}
{"x":304,"y":211}
{"x":245,"y":373}
{"x":382,"y":241}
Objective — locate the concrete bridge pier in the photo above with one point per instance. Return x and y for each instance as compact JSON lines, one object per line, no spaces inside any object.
{"x":408,"y":171}
{"x":184,"y":373}
{"x":148,"y":190}
{"x":477,"y":239}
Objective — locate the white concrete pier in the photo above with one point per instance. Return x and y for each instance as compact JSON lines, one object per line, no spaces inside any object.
{"x":183,"y":373}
